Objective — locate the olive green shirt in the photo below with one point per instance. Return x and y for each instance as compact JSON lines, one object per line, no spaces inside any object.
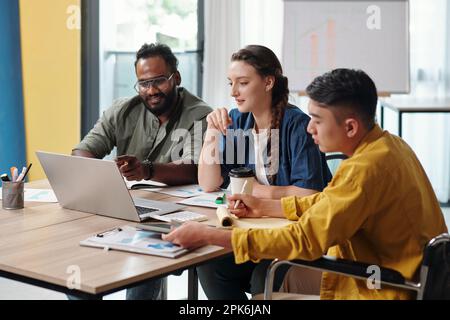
{"x":134,"y":130}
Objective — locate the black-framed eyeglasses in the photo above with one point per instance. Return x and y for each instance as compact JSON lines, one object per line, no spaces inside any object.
{"x":160,"y":83}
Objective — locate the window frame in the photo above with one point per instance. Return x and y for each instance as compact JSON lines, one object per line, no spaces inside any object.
{"x":90,"y":60}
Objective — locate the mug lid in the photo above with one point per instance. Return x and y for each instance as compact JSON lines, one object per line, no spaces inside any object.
{"x":242,"y":172}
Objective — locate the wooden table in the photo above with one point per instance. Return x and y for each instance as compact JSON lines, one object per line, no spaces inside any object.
{"x":39,"y":245}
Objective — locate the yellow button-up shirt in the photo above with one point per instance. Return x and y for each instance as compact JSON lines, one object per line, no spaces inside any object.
{"x":379,"y":209}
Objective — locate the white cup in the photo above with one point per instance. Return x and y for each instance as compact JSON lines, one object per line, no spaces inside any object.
{"x":238,"y":177}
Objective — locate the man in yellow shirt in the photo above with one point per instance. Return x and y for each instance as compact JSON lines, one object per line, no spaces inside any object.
{"x":379,"y":207}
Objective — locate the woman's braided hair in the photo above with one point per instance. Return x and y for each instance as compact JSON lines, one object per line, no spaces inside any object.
{"x":266,"y":64}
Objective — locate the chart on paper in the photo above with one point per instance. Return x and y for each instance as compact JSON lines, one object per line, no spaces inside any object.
{"x":207,"y":200}
{"x":38,"y":195}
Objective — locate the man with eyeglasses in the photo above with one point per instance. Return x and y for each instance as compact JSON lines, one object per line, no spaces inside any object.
{"x":153,"y":131}
{"x":158,"y":133}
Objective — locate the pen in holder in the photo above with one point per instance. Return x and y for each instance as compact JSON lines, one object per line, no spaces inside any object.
{"x":12,"y":195}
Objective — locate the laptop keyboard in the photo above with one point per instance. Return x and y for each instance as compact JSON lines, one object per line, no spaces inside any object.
{"x":143,"y":211}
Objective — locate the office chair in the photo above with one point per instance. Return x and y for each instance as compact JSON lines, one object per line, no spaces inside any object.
{"x":434,"y":273}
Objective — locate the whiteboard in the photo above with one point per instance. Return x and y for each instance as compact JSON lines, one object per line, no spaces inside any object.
{"x":319,"y":36}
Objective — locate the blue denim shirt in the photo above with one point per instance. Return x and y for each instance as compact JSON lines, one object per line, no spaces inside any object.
{"x":300,"y":164}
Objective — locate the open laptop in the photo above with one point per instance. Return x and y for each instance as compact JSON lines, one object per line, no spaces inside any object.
{"x":97,"y":186}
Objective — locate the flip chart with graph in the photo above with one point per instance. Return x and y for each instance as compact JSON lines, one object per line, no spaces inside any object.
{"x":319,"y":36}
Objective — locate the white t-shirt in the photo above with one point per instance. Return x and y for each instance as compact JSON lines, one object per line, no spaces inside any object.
{"x":260,"y":143}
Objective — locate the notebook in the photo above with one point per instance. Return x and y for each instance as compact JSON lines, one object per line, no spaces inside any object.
{"x":132,"y":239}
{"x":144,"y":184}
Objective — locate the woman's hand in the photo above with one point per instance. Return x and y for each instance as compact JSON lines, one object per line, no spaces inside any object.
{"x":219,"y":120}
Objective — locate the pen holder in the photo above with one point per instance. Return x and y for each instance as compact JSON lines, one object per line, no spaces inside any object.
{"x":12,"y":195}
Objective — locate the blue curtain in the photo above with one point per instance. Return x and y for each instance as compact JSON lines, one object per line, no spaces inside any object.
{"x":12,"y":131}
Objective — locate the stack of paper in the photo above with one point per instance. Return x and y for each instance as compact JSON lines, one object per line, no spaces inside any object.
{"x":187,"y":191}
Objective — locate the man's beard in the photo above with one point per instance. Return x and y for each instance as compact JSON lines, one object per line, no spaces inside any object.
{"x":164,"y":106}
